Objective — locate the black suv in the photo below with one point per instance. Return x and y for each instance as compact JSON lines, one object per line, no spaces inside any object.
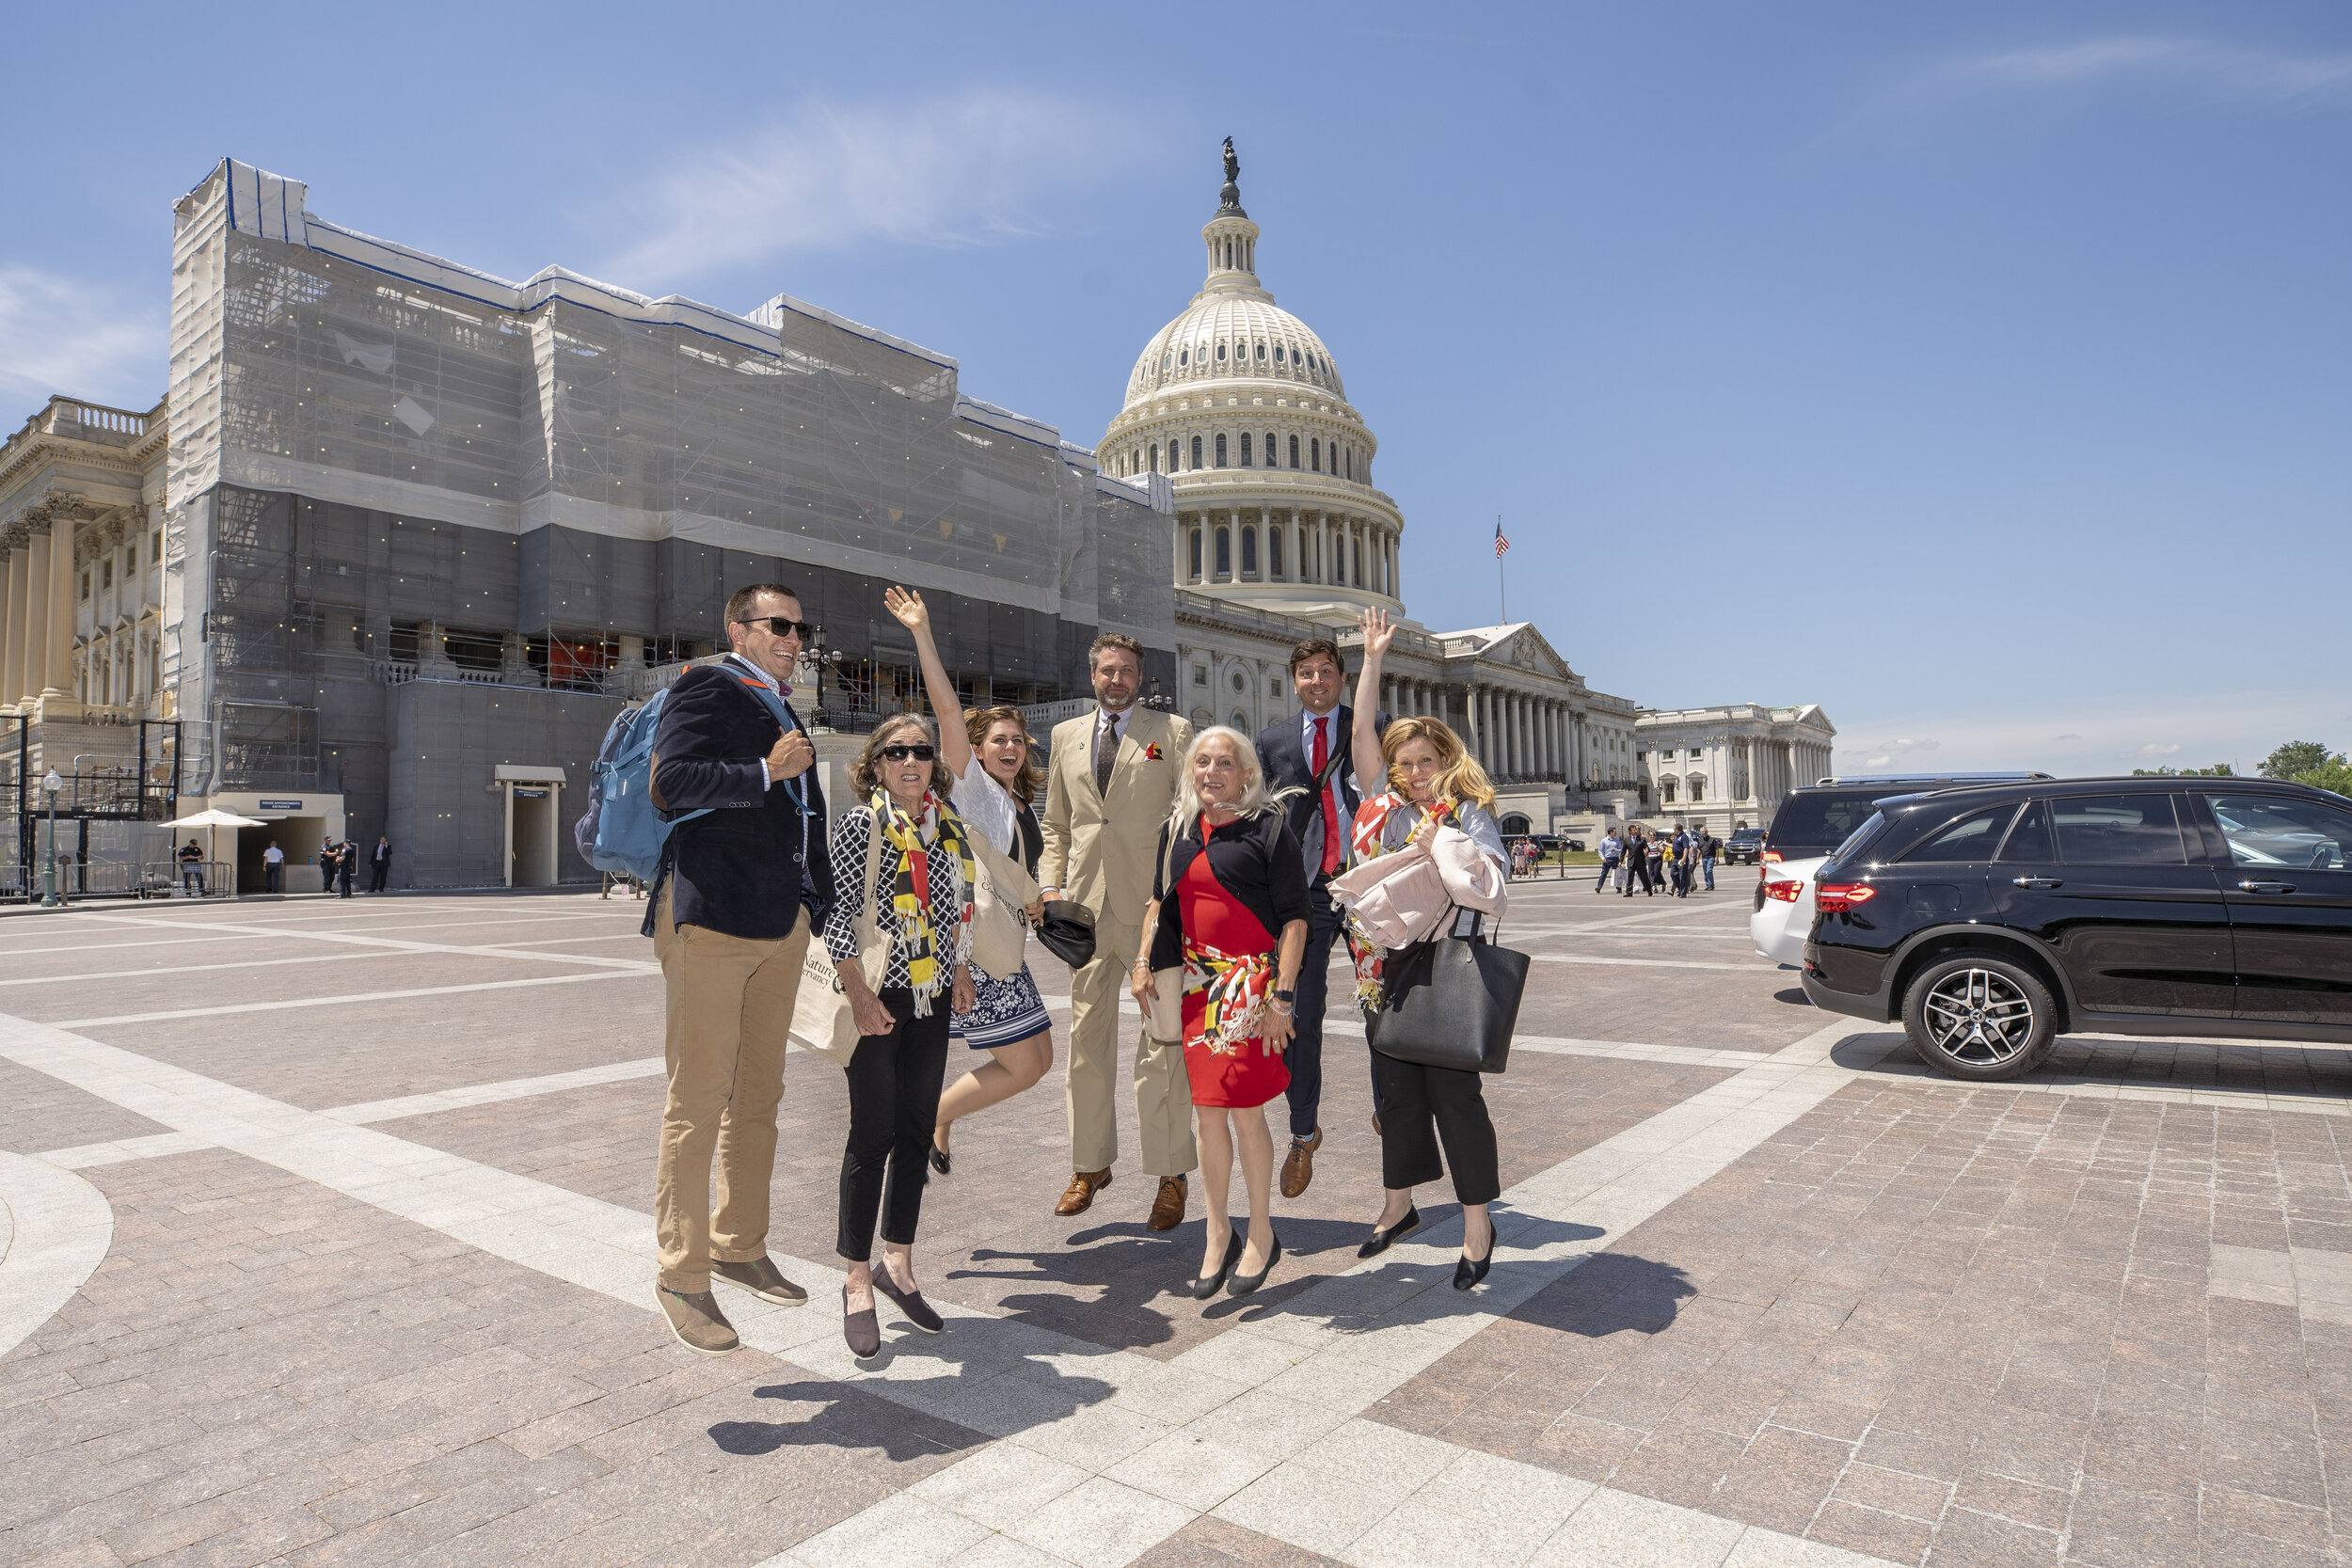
{"x":1745,"y":846}
{"x":1992,"y":918}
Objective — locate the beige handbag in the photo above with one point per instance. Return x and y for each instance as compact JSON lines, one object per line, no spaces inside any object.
{"x":1001,"y":893}
{"x":822,"y":1020}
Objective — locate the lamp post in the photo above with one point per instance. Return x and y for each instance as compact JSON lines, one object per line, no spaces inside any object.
{"x":49,"y":899}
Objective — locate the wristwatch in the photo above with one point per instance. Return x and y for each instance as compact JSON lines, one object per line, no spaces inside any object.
{"x":1284,"y":995}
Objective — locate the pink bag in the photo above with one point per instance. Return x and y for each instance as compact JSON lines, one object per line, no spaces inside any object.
{"x":1400,"y":896}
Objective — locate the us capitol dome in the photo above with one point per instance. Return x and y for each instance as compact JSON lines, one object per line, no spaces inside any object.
{"x":1241,"y":404}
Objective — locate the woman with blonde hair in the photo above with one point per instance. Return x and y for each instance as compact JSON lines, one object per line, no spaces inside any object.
{"x":1229,"y":905}
{"x":998,"y":779}
{"x":921,"y":890}
{"x":1426,"y":783}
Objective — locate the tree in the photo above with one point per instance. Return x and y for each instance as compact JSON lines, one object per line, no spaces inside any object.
{"x":2295,"y":758}
{"x":2219,"y":771}
{"x":2335,"y":774}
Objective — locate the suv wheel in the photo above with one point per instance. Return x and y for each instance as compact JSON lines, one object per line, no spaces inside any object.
{"x":1979,"y":1015}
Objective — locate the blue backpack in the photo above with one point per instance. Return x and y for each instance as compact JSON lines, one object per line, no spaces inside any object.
{"x":622,"y":832}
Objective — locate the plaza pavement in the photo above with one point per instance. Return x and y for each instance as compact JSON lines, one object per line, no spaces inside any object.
{"x":326,"y":1240}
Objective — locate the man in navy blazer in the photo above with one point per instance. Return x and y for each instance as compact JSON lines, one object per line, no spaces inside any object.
{"x":739,"y":892}
{"x":1292,"y":751}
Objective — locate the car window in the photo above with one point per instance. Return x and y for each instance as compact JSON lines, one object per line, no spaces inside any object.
{"x":1972,"y":837}
{"x":2118,"y":829}
{"x":1810,"y":821}
{"x":1855,"y":837}
{"x":2270,"y":830}
{"x":2029,"y":841}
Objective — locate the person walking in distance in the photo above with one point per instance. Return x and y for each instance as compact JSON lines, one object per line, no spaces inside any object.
{"x":922,"y":892}
{"x":1611,"y":853}
{"x":1654,"y":856}
{"x":346,"y":866}
{"x":380,"y":863}
{"x":1710,"y":849}
{"x":1311,"y":760}
{"x":1229,"y":910}
{"x":996,"y":778}
{"x":1110,"y":783}
{"x":273,"y":868}
{"x":733,"y":903}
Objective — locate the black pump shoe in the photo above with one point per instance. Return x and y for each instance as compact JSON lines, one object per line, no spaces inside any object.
{"x":1467,"y":1273}
{"x":1202,"y":1289}
{"x":1383,"y":1240}
{"x":1242,"y":1284}
{"x":941,"y":1160}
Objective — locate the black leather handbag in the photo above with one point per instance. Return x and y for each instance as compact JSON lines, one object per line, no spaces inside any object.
{"x":1068,"y":932}
{"x":1450,"y":1002}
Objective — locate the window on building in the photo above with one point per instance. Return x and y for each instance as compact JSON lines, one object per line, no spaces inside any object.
{"x":1351,"y":461}
{"x":85,"y":586}
{"x":1184,"y":356}
{"x":1225,"y":552}
{"x":1200,"y":675}
{"x":1262,"y":351}
{"x":1358,"y":550}
{"x":1269,"y":449}
{"x":1244,"y":449}
{"x":1241,"y":721}
{"x":1196,"y":451}
{"x":106,"y":573}
{"x":1272,"y":685}
{"x":1241,"y":681}
{"x":155,"y":549}
{"x":1196,"y":552}
{"x":1249,"y":551}
{"x":1220,"y":353}
{"x":1698,"y":788}
{"x":1221,"y":449}
{"x":1666,"y":791}
{"x":1293,"y":451}
{"x":1314,"y":455}
{"x":1155,"y":457}
{"x":1274,"y":553}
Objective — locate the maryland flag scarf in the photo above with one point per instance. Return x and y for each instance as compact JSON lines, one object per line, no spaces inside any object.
{"x":910,"y":884}
{"x":1366,"y":842}
{"x":1235,"y":987}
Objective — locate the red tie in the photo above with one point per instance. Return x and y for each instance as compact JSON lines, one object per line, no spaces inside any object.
{"x":1330,"y":825}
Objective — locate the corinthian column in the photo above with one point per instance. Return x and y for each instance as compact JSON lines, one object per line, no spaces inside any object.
{"x":32,"y":667}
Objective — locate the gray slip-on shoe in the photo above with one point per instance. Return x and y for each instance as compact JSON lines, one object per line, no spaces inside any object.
{"x":696,"y":1320}
{"x":762,"y":1278}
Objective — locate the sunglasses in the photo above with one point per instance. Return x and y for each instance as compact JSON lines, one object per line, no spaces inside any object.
{"x":901,"y":754}
{"x":779,"y":626}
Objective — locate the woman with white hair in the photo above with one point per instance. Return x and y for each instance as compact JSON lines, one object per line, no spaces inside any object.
{"x":1229,"y":905}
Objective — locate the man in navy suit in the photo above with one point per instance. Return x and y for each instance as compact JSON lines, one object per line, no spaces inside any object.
{"x":1312,"y":751}
{"x":733,"y":903}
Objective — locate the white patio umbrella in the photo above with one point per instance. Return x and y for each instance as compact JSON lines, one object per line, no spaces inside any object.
{"x":215,"y":817}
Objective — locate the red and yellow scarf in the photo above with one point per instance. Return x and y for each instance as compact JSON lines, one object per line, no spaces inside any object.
{"x":909,"y":885}
{"x":1235,"y":988}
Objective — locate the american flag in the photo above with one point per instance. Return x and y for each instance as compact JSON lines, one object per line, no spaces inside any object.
{"x":1501,"y":544}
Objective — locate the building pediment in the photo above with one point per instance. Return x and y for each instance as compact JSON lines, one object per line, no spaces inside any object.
{"x":1515,"y":646}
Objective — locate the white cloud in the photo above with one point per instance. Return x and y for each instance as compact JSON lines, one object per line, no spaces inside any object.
{"x":2157,"y":750}
{"x":61,"y":334}
{"x":2223,"y":69}
{"x":957,"y":171}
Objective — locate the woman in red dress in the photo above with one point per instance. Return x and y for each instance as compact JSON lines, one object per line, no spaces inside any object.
{"x":1229,"y":906}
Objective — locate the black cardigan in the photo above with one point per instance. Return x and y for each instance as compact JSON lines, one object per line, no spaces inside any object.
{"x":1257,"y":861}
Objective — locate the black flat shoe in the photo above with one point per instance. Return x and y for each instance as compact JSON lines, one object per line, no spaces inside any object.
{"x":919,"y":1312}
{"x":1205,"y":1288}
{"x":1467,"y":1273}
{"x":861,"y":1329}
{"x":1242,"y":1284}
{"x":941,"y":1160}
{"x":1382,"y":1240}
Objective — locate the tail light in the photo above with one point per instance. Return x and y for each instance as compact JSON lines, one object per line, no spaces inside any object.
{"x":1838,"y":897}
{"x":1771,"y":857}
{"x":1785,"y":892}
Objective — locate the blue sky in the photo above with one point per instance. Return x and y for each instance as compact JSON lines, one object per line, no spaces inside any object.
{"x":1982,"y":372}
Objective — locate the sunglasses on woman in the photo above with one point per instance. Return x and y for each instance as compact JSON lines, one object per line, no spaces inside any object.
{"x":778,"y":626}
{"x":901,"y":754}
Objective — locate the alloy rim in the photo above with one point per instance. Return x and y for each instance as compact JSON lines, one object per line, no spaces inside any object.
{"x":1978,"y":1017}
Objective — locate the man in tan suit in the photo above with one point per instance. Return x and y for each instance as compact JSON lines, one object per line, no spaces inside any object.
{"x":1111,"y":786}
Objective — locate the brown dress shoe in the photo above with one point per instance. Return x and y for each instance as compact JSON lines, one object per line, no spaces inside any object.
{"x":1298,"y":1166}
{"x":1079,"y":1195}
{"x":1167,"y":1209}
{"x":696,"y":1320}
{"x":762,"y":1278}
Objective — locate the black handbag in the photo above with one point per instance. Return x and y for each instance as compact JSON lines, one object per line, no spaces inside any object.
{"x":1068,"y":932}
{"x":1450,"y":1002}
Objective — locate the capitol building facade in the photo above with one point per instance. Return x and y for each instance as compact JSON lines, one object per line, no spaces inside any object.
{"x":1281,"y":534}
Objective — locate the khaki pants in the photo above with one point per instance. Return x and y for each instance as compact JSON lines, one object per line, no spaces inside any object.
{"x":1098,"y":999}
{"x":730,"y":1006}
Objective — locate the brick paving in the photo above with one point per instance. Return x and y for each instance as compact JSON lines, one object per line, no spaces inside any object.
{"x":1918,"y":1321}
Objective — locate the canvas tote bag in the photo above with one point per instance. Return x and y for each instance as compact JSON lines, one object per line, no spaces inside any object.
{"x":1002,"y":894}
{"x":823,"y":1020}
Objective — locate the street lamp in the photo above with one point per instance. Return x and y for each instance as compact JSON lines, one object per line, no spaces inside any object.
{"x":49,"y":899}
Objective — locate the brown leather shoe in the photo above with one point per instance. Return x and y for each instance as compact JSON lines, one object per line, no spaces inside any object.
{"x":696,"y":1320}
{"x":1298,"y":1166}
{"x":1079,"y":1195}
{"x":1167,"y":1209}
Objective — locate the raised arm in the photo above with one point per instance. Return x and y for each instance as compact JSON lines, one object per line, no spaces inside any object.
{"x":955,"y":742}
{"x":1371,"y":774}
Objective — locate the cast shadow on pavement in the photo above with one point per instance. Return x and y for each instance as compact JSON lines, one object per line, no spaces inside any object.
{"x":1611,"y":1293}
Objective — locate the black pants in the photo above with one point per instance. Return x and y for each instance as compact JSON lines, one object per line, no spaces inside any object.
{"x":1637,"y":870}
{"x":1304,"y":1056}
{"x":383,"y":869}
{"x":893,"y":1105}
{"x":269,"y":876}
{"x":346,"y":878}
{"x":1422,"y":1107}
